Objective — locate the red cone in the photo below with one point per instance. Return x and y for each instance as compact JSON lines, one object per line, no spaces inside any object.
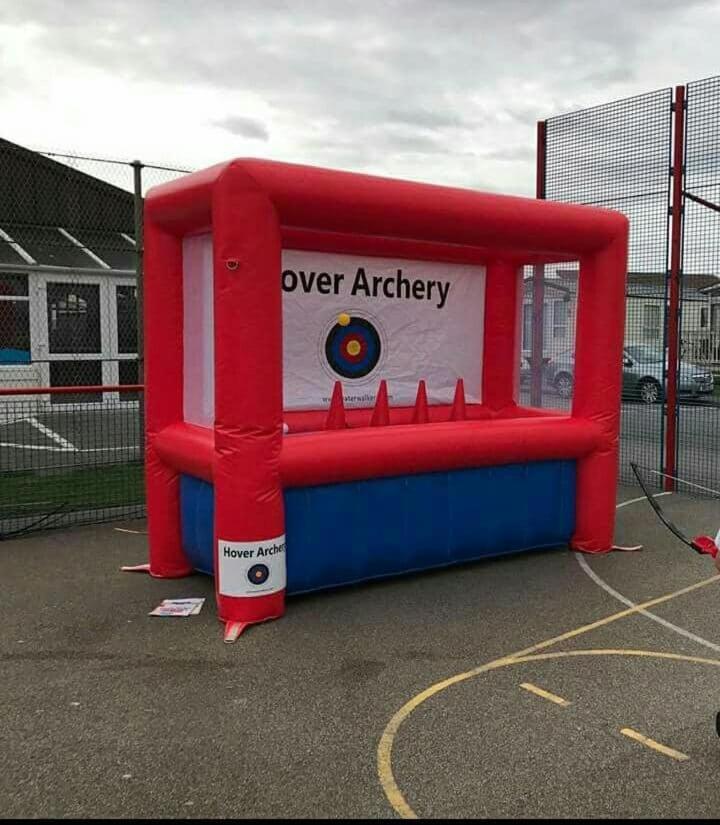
{"x":381,"y":411}
{"x":336,"y":414}
{"x":458,"y":407}
{"x":420,"y":415}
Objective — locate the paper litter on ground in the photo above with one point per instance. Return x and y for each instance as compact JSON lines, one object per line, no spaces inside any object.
{"x":178,"y":607}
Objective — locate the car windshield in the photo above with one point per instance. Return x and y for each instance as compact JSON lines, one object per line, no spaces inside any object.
{"x":645,"y":355}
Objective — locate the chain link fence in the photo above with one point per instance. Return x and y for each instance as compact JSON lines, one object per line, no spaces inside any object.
{"x":77,"y":462}
{"x":699,"y":425}
{"x":69,"y":318}
{"x":615,"y":156}
{"x":620,"y":156}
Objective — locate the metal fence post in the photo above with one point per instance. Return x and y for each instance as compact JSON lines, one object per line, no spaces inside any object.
{"x":538,"y":313}
{"x":673,"y":311}
{"x":137,"y":180}
{"x":139,"y":252}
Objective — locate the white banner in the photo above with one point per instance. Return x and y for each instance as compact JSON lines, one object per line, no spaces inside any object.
{"x":251,"y":568}
{"x":359,"y":319}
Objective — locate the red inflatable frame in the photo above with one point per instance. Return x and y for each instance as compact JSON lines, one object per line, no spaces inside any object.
{"x":254,"y":209}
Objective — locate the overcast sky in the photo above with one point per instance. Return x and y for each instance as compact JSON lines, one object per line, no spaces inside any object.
{"x":447,"y":92}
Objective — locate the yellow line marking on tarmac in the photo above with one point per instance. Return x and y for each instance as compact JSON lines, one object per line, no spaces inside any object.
{"x":545,"y":694}
{"x":656,"y":746}
{"x":385,"y":746}
{"x":586,"y":628}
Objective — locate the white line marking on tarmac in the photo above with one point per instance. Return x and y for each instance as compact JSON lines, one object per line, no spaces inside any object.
{"x":65,"y":449}
{"x":33,"y":447}
{"x":639,"y":498}
{"x":51,"y":434}
{"x":693,"y":637}
{"x":6,"y":422}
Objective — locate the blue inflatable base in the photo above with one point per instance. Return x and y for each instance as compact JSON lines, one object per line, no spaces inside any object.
{"x":341,"y":534}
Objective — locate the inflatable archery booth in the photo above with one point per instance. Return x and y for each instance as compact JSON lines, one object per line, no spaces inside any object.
{"x":332,"y":381}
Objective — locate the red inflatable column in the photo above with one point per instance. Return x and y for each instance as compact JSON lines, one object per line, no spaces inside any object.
{"x":163,"y":316}
{"x":249,"y":519}
{"x":598,"y":377}
{"x":500,"y":350}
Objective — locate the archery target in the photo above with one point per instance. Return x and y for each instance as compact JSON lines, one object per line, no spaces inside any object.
{"x":258,"y":574}
{"x":353,"y":346}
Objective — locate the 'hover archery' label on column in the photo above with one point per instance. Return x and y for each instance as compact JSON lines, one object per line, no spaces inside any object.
{"x":251,"y":568}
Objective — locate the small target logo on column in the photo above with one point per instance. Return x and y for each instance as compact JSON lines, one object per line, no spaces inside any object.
{"x":353,"y":346}
{"x":258,"y":574}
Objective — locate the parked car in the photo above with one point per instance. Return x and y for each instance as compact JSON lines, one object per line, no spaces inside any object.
{"x":643,"y":369}
{"x":526,"y":370}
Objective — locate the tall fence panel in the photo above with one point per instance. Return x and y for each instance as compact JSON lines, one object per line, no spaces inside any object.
{"x":70,"y":303}
{"x":618,"y":156}
{"x":698,"y":447}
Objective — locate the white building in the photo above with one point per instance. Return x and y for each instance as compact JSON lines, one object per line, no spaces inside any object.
{"x":68,"y":299}
{"x":644,"y":314}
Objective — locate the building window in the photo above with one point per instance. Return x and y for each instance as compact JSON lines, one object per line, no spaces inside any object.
{"x":527,"y":326}
{"x":560,"y":319}
{"x":703,"y":317}
{"x":128,"y":374}
{"x":651,"y":322}
{"x":715,"y":318}
{"x":126,"y":305}
{"x":555,"y":322}
{"x":73,"y":317}
{"x":14,"y":320}
{"x":75,"y":374}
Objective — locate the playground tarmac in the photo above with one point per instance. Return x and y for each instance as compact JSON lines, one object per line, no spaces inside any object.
{"x":516,"y":687}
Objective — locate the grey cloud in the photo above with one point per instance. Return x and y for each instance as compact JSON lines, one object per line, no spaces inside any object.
{"x":426,"y":118}
{"x":511,"y":153}
{"x":409,"y":87}
{"x":244,"y":127}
